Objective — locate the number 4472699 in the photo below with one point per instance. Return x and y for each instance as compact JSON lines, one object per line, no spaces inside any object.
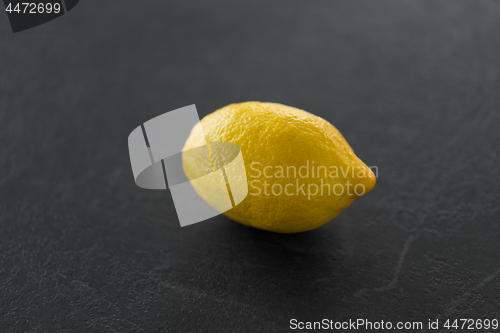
{"x":34,"y":8}
{"x":471,"y":324}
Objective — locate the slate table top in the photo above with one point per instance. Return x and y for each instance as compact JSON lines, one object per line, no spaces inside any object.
{"x":414,"y":86}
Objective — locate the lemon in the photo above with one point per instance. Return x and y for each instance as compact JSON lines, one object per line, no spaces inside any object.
{"x":300,"y":171}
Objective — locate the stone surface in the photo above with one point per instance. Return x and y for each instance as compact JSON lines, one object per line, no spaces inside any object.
{"x":413,"y":86}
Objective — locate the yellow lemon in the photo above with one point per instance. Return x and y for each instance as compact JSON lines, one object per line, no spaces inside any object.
{"x":300,"y":170}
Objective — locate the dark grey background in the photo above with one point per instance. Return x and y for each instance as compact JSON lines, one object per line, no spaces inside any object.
{"x":413,"y":85}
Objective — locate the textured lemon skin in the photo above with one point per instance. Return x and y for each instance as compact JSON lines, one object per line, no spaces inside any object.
{"x":271,"y":134}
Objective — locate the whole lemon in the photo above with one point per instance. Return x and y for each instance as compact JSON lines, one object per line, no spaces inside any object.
{"x":300,"y":170}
